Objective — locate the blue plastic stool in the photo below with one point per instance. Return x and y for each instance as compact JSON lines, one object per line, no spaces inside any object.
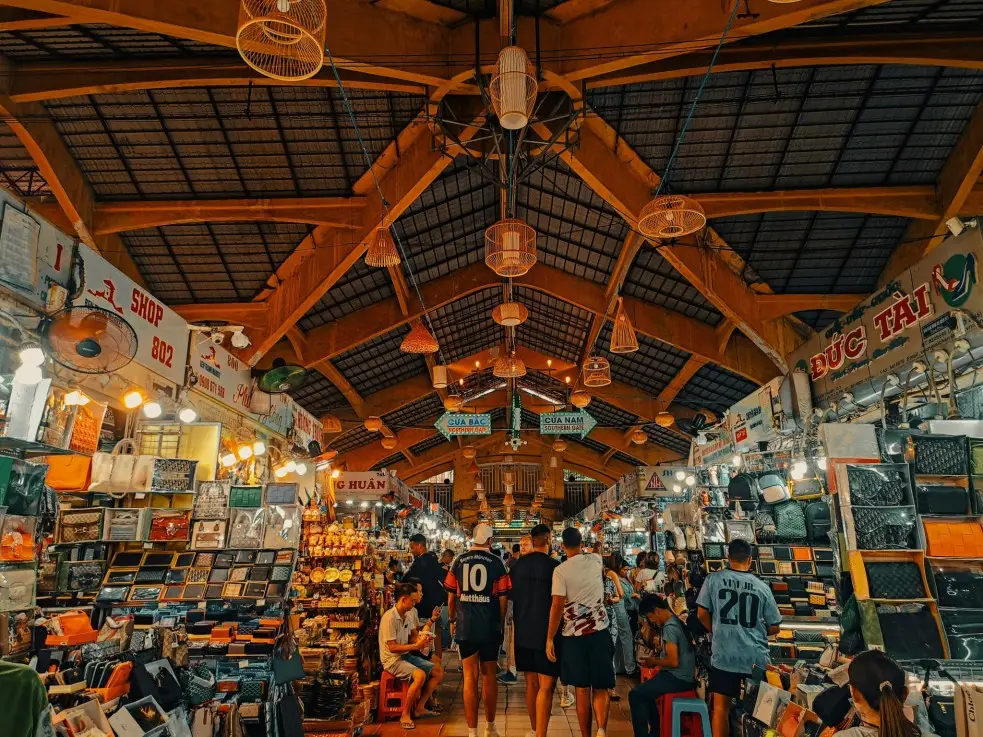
{"x":689,"y":706}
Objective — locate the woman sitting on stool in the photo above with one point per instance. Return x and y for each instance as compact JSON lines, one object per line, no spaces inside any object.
{"x":676,"y":663}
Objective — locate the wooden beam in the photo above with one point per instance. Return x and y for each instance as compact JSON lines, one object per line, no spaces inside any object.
{"x":407,"y":167}
{"x":336,"y":212}
{"x":424,"y":10}
{"x":651,"y":320}
{"x":609,"y":455}
{"x":681,"y":379}
{"x":37,"y":133}
{"x":645,"y":33}
{"x":961,"y":50}
{"x":626,"y":183}
{"x":773,"y":306}
{"x":919,"y":202}
{"x":17,"y":19}
{"x":626,"y":257}
{"x":358,"y":33}
{"x":56,"y":80}
{"x":251,"y":314}
{"x":572,"y":9}
{"x":337,"y":378}
{"x":959,"y":175}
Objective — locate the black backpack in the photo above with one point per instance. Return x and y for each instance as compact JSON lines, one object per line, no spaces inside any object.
{"x":743,"y":487}
{"x":818,"y":521}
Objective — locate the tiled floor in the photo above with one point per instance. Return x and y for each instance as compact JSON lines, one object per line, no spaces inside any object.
{"x":512,"y":719}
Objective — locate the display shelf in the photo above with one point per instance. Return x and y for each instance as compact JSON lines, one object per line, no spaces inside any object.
{"x":27,"y":449}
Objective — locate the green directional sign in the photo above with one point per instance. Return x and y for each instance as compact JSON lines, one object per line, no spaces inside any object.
{"x":566,"y":423}
{"x":453,"y":424}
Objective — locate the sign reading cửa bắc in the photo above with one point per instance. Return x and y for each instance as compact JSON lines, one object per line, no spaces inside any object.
{"x":926,"y":308}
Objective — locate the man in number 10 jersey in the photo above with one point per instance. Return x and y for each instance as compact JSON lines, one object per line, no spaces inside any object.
{"x":478,"y":586}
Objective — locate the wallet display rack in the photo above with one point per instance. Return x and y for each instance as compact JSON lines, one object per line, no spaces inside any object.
{"x":236,"y":544}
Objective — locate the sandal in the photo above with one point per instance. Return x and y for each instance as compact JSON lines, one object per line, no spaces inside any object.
{"x":407,"y":725}
{"x":425,"y":713}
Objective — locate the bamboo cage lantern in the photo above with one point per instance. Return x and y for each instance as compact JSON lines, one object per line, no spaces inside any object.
{"x":597,"y":371}
{"x":623,"y":339}
{"x":388,"y":442}
{"x":559,"y":445}
{"x":664,"y":419}
{"x":440,"y":377}
{"x":373,"y":424}
{"x":638,"y":436}
{"x":282,"y":39}
{"x":382,"y":251}
{"x":469,"y":454}
{"x":671,"y":216}
{"x":453,"y":403}
{"x":330,"y":424}
{"x":479,"y":487}
{"x":510,"y":247}
{"x":509,"y":367}
{"x":580,"y":398}
{"x":513,"y":88}
{"x":508,"y":478}
{"x":419,"y":340}
{"x":553,"y":462}
{"x":510,"y":314}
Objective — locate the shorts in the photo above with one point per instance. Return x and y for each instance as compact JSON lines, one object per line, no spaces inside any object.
{"x":408,"y":664}
{"x":588,"y":660}
{"x":727,"y":683}
{"x":487,"y":650}
{"x":534,"y":660}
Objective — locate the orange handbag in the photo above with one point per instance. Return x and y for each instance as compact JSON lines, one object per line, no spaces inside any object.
{"x":68,"y":472}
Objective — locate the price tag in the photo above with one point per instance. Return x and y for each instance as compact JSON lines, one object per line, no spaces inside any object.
{"x":139,"y":495}
{"x":243,"y":663}
{"x":148,"y":546}
{"x":261,"y":602}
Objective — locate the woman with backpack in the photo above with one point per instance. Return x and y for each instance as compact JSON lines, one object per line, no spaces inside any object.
{"x":676,"y":663}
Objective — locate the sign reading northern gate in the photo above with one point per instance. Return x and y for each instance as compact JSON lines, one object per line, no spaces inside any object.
{"x":452,"y":424}
{"x":566,"y":423}
{"x":925,"y":308}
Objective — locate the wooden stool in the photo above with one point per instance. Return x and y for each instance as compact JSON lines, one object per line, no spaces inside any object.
{"x":392,"y":697}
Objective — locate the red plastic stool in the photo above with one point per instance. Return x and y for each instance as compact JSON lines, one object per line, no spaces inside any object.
{"x":690,"y":723}
{"x":392,"y":696}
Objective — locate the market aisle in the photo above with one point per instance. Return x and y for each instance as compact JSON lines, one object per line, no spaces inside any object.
{"x":512,"y":720}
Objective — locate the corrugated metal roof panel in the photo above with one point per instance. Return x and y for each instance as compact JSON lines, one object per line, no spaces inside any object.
{"x":555,"y":328}
{"x":415,"y":414}
{"x":319,"y":396}
{"x":465,"y":327}
{"x":715,"y":388}
{"x":379,"y":364}
{"x":650,"y":368}
{"x":361,"y":286}
{"x":653,"y":279}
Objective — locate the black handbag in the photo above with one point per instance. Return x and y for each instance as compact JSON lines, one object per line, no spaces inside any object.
{"x":884,"y":529}
{"x":940,"y":455}
{"x":941,"y":499}
{"x":895,"y":580}
{"x":879,"y":484}
{"x":962,"y":589}
{"x":910,"y":632}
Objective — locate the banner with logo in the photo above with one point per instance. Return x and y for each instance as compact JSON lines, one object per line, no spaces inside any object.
{"x":366,"y":483}
{"x":660,"y":480}
{"x":162,"y":334}
{"x":221,"y":375}
{"x":306,"y":426}
{"x":921,"y":310}
{"x":757,"y":417}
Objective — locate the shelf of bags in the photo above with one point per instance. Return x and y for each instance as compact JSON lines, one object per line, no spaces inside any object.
{"x":29,"y":449}
{"x":164,"y":492}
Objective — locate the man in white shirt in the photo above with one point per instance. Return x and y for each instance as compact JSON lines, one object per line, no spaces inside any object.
{"x":397,"y":655}
{"x":587,"y":650}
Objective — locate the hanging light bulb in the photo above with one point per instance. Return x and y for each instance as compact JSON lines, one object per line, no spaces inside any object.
{"x":301,"y":469}
{"x":152,"y":409}
{"x":31,"y":355}
{"x":677,"y":488}
{"x":336,"y":473}
{"x":736,"y":460}
{"x":76,"y":398}
{"x":291,"y":466}
{"x":228,"y":460}
{"x":513,"y":88}
{"x":132,"y":399}
{"x":259,"y":447}
{"x":690,"y":480}
{"x":28,"y":375}
{"x":821,"y":463}
{"x":187,"y":415}
{"x":280,"y":472}
{"x":245,"y":452}
{"x":680,"y":475}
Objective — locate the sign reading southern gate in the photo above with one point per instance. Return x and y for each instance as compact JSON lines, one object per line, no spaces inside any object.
{"x":566,"y":423}
{"x":452,"y":424}
{"x":921,"y":310}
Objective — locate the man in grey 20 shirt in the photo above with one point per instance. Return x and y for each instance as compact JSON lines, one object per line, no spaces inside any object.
{"x":740,"y":611}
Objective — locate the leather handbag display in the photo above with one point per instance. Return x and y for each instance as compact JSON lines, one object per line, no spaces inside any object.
{"x":169,"y":524}
{"x":895,"y":580}
{"x":80,"y":525}
{"x":940,"y":455}
{"x":173,"y":474}
{"x":790,"y":521}
{"x":122,"y":470}
{"x":910,"y":632}
{"x":884,"y":529}
{"x":68,"y":472}
{"x":879,"y":485}
{"x":212,"y":500}
{"x":958,"y":584}
{"x":941,"y":499}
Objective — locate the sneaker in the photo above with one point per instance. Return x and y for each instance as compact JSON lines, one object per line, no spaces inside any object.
{"x":566,"y":700}
{"x":530,"y":733}
{"x":489,"y":732}
{"x":508,"y":677}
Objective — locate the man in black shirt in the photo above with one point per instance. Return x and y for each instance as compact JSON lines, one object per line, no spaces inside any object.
{"x":427,"y":570}
{"x":532,"y":581}
{"x":477,"y":596}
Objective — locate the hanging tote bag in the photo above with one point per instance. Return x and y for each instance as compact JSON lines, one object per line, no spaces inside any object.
{"x":113,"y":473}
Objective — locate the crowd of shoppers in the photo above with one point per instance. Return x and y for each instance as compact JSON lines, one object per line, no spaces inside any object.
{"x":574,"y":620}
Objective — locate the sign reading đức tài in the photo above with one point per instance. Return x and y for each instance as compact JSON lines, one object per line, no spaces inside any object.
{"x":923,"y":309}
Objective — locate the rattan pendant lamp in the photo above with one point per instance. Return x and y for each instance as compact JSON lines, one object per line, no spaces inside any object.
{"x":510,"y":247}
{"x":382,"y":252}
{"x":597,"y":371}
{"x":623,"y":339}
{"x":282,"y":39}
{"x":513,"y":88}
{"x":419,"y":340}
{"x":671,"y":216}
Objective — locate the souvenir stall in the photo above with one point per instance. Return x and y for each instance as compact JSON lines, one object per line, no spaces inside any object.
{"x":151,"y":501}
